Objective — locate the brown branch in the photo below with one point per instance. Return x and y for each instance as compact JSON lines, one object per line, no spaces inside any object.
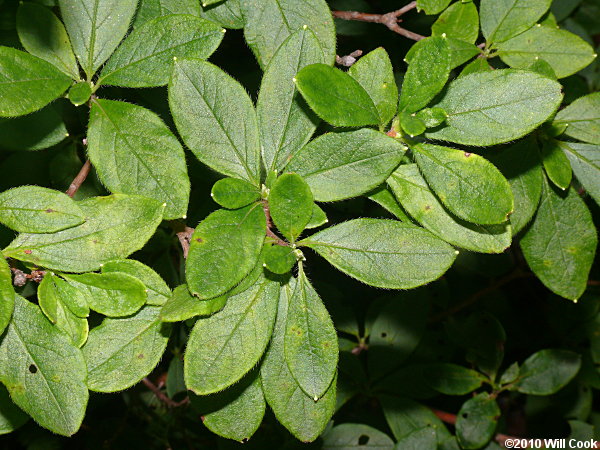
{"x":184,"y":234}
{"x":390,"y":20}
{"x":162,"y":396}
{"x":79,"y":179}
{"x":270,"y":233}
{"x":20,"y":277}
{"x":593,"y":283}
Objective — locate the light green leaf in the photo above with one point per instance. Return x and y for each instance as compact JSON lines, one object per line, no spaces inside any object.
{"x":96,"y":27}
{"x":566,"y":52}
{"x":519,"y":163}
{"x":235,"y":413}
{"x":374,"y":72}
{"x":476,"y":421}
{"x":542,"y":67}
{"x":384,"y":198}
{"x":98,"y":240}
{"x":80,"y":93}
{"x":556,"y":164}
{"x":547,"y":371}
{"x":183,"y":305}
{"x":342,"y":165}
{"x":233,"y":193}
{"x":73,"y":298}
{"x":146,"y":57}
{"x":466,"y":183}
{"x":43,"y":35}
{"x":336,"y":97}
{"x":411,"y":124}
{"x":353,"y":435}
{"x":113,"y":294}
{"x":383,"y":253}
{"x":228,"y":14}
{"x":224,"y":347}
{"x":426,"y":75}
{"x":414,"y":195}
{"x":7,"y":295}
{"x":11,"y":417}
{"x":157,"y":290}
{"x":317,"y":218}
{"x":218,"y":125}
{"x":503,"y":19}
{"x":452,"y":379}
{"x":120,"y":352}
{"x":489,"y":108}
{"x":432,"y":117}
{"x":58,"y":309}
{"x":582,"y":119}
{"x":560,"y":244}
{"x":432,"y":6}
{"x":477,"y":65}
{"x":27,"y":83}
{"x":585,"y":161}
{"x":459,"y":21}
{"x":279,"y":259}
{"x":310,"y":345}
{"x":43,"y":371}
{"x":151,"y":9}
{"x":291,"y":205}
{"x":224,"y":248}
{"x":270,"y":22}
{"x":461,"y":51}
{"x":284,"y":121}
{"x":36,"y":131}
{"x":299,"y":413}
{"x":34,"y":209}
{"x":134,"y":152}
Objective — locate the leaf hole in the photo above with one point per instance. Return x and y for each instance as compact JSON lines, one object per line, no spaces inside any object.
{"x":465,"y":415}
{"x":50,"y":210}
{"x":33,"y":368}
{"x":363,"y":439}
{"x":199,"y":240}
{"x":383,"y":335}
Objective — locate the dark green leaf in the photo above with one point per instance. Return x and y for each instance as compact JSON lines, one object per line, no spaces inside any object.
{"x":452,"y":379}
{"x":151,"y":9}
{"x":542,"y":67}
{"x":477,"y":65}
{"x":585,"y":160}
{"x":134,"y":152}
{"x":156,"y":288}
{"x":336,"y":97}
{"x":317,"y":218}
{"x":233,"y":193}
{"x":337,"y":166}
{"x":582,"y":119}
{"x":477,"y":420}
{"x":183,"y":305}
{"x":411,"y":124}
{"x":405,"y":416}
{"x":547,"y":371}
{"x":228,"y":14}
{"x":459,"y":21}
{"x":80,"y":93}
{"x":501,"y":20}
{"x":355,"y":435}
{"x":384,"y":253}
{"x":7,"y":295}
{"x":432,"y":6}
{"x":11,"y":417}
{"x":36,"y":131}
{"x":291,"y":205}
{"x":279,"y":259}
{"x":423,"y":438}
{"x":384,"y":198}
{"x":556,"y":164}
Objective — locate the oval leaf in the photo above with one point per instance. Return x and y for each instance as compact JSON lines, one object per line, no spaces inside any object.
{"x":547,"y":371}
{"x":233,"y":193}
{"x":582,"y":119}
{"x":156,"y":288}
{"x":501,"y":20}
{"x":291,"y":204}
{"x":183,"y":305}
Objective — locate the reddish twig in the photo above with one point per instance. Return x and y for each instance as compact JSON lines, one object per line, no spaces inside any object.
{"x":270,"y":233}
{"x":162,"y":396}
{"x":593,"y":283}
{"x":79,"y":179}
{"x":390,"y":19}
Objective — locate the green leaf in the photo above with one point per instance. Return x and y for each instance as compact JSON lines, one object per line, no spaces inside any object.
{"x":426,"y":75}
{"x":310,"y":345}
{"x":157,"y":290}
{"x":585,"y":161}
{"x":152,"y":9}
{"x":134,"y":152}
{"x":11,"y":417}
{"x":432,"y":117}
{"x":396,"y":332}
{"x":80,"y":93}
{"x":489,"y":108}
{"x":560,"y":244}
{"x":235,"y":413}
{"x":466,"y":183}
{"x":459,"y":21}
{"x":223,"y":250}
{"x":7,"y":295}
{"x":374,"y":72}
{"x":342,"y":165}
{"x":566,"y":52}
{"x":34,"y":209}
{"x":383,"y":253}
{"x":432,"y":6}
{"x":183,"y":305}
{"x":57,"y":309}
{"x":354,"y":435}
{"x":96,"y":27}
{"x":285,"y":123}
{"x":73,"y":298}
{"x":36,"y":131}
{"x":43,"y":35}
{"x":556,"y":164}
{"x":317,"y":218}
{"x":542,"y":67}
{"x":27,"y":83}
{"x":421,"y":438}
{"x":414,"y":195}
{"x":384,"y":198}
{"x":336,"y":97}
{"x":270,"y":22}
{"x":98,"y":240}
{"x":120,"y":352}
{"x":477,"y":65}
{"x":519,"y":163}
{"x":510,"y":374}
{"x":477,"y":420}
{"x":146,"y":57}
{"x":228,"y":14}
{"x":547,"y":371}
{"x":299,"y":413}
{"x":582,"y":119}
{"x":113,"y":294}
{"x":452,"y":379}
{"x":224,"y":347}
{"x":291,"y":205}
{"x":218,"y":125}
{"x":411,"y":124}
{"x":405,"y":416}
{"x":279,"y":259}
{"x":43,"y":371}
{"x":233,"y":193}
{"x":501,"y":20}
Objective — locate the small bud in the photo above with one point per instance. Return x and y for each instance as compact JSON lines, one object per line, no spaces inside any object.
{"x":456,"y":252}
{"x":538,"y":24}
{"x":223,"y":30}
{"x":304,"y":27}
{"x":174,"y":58}
{"x":315,"y":398}
{"x":184,"y":216}
{"x":443,"y":35}
{"x":294,"y":79}
{"x":164,"y":204}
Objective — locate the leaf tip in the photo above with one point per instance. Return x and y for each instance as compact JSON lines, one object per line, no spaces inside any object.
{"x":223,"y":30}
